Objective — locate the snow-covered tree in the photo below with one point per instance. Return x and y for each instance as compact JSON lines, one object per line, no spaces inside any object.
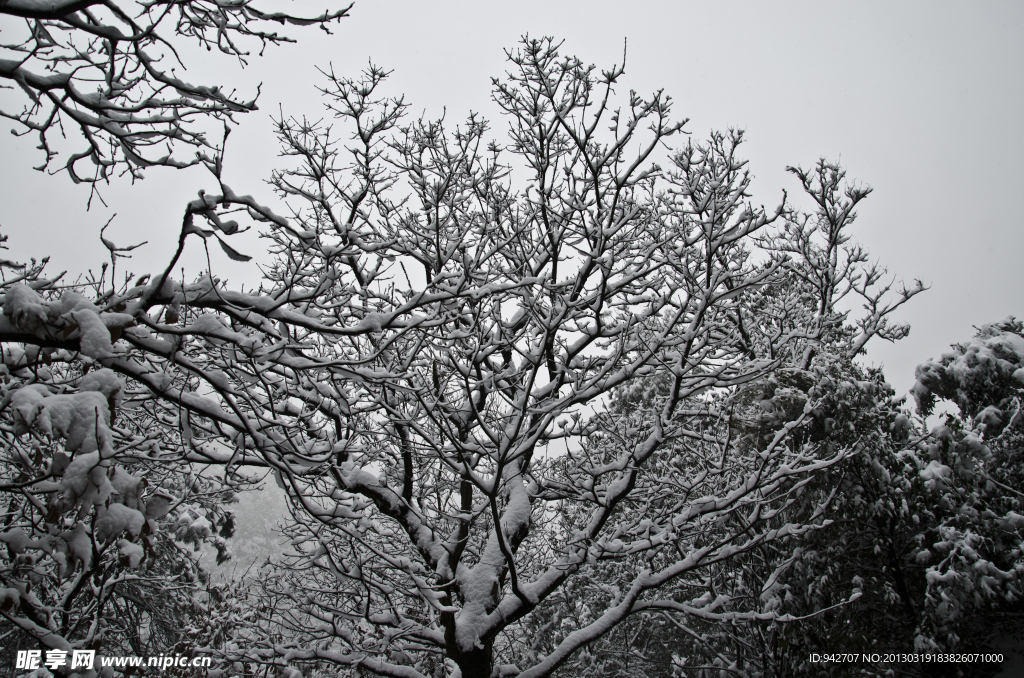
{"x":431,"y":365}
{"x":925,"y":523}
{"x":922,"y":551}
{"x":973,"y":467}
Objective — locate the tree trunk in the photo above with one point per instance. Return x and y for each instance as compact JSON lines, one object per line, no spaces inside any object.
{"x":476,"y":664}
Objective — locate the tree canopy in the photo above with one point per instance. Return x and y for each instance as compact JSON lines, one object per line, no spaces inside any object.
{"x":526,"y":396}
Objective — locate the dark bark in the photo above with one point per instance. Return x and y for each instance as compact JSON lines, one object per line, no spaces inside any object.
{"x":477,"y":663}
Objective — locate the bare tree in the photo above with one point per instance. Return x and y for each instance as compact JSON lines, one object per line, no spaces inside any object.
{"x":109,"y":71}
{"x":428,"y":365}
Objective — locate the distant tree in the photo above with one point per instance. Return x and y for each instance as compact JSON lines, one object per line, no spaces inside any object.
{"x":113,"y":73}
{"x":925,"y":526}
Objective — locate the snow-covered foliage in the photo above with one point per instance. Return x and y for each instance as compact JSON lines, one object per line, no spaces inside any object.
{"x":89,"y":556}
{"x":975,"y":469}
{"x":927,"y":523}
{"x":519,"y":395}
{"x":983,"y":378}
{"x":923,"y":548}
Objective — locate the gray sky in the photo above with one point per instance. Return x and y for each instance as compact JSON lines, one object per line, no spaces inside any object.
{"x":920,"y":100}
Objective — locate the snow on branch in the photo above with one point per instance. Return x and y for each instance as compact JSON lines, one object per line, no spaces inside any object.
{"x":108,"y":73}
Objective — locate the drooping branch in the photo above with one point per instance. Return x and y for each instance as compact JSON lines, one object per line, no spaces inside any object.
{"x":105,"y":71}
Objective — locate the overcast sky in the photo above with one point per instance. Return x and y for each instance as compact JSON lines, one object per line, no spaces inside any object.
{"x":920,"y":100}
